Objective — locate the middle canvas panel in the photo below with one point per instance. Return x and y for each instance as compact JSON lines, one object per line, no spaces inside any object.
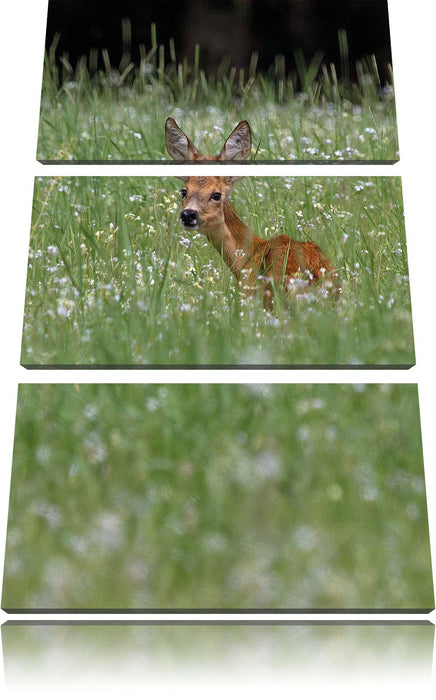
{"x":267,"y":272}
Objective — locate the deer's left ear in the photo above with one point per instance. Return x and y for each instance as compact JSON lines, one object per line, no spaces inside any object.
{"x":238,"y":144}
{"x":179,"y":146}
{"x":231,"y":179}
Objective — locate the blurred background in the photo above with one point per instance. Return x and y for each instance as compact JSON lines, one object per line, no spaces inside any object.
{"x":217,"y":496}
{"x":224,"y":28}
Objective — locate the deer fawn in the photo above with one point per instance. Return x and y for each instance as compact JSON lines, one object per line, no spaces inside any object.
{"x":205,"y":205}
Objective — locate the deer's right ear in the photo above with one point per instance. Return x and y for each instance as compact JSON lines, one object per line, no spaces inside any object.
{"x":178,"y":145}
{"x":238,"y":144}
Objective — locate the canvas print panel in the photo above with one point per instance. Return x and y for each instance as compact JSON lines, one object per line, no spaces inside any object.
{"x":117,"y":278}
{"x":312,"y":77}
{"x":158,"y":653}
{"x":217,"y":497}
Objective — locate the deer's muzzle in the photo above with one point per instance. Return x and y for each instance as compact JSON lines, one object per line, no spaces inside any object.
{"x":190,"y":218}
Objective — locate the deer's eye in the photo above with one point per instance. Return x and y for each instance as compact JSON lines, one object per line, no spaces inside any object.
{"x":184,"y":193}
{"x":216,"y":196}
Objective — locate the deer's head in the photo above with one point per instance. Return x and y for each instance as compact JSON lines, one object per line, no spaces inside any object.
{"x":203,"y":201}
{"x":203,"y":198}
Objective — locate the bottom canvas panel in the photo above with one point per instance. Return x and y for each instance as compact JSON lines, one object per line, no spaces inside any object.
{"x":219,"y":497}
{"x":59,"y":653}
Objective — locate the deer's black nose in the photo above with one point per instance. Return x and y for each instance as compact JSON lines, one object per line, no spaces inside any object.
{"x":189,"y":217}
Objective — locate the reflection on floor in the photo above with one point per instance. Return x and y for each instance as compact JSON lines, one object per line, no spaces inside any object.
{"x":59,"y":653}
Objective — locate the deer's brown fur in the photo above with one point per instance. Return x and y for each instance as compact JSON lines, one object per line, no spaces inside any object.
{"x":205,"y":205}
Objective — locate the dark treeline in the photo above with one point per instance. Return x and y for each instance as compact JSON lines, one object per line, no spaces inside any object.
{"x":223,"y":28}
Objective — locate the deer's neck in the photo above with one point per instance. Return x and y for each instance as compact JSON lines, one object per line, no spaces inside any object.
{"x":234,"y":241}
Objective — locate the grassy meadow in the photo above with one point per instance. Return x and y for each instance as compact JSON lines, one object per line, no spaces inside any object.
{"x":118,"y":113}
{"x":217,"y":496}
{"x":113,"y":278}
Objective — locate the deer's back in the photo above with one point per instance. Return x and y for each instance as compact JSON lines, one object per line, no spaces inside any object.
{"x":283,"y":257}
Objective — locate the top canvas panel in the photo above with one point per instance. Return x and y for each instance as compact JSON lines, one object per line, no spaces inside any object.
{"x":312,"y":77}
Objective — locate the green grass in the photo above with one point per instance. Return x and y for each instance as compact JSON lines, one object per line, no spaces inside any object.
{"x":215,"y":496}
{"x":119,"y":113}
{"x":114,"y":279}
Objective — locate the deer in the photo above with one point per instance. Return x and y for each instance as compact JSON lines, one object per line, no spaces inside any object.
{"x":255,"y":262}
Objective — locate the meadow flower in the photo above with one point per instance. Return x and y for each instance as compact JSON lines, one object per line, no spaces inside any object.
{"x":267,"y":465}
{"x":43,"y":454}
{"x":152,"y":404}
{"x":107,"y":531}
{"x":64,"y":309}
{"x":305,"y":538}
{"x":335,"y":492}
{"x":90,"y":411}
{"x":52,"y":514}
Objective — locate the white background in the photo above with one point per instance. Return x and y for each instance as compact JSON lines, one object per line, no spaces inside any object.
{"x":413,"y":32}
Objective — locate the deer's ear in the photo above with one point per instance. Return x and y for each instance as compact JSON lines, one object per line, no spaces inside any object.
{"x":179,"y":146}
{"x":231,"y":179}
{"x":238,"y":144}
